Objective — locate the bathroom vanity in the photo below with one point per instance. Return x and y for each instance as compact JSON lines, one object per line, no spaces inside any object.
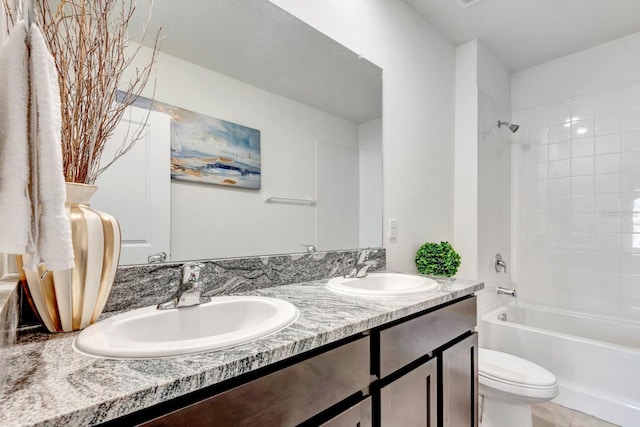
{"x":346,"y":361}
{"x":411,"y":372}
{"x":432,"y":359}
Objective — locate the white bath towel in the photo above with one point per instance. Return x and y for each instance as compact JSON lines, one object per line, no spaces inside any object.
{"x":4,"y":29}
{"x":54,"y":245}
{"x":15,"y":208}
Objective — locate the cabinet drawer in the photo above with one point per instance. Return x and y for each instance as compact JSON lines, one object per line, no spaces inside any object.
{"x":286,"y":397}
{"x":403,"y":343}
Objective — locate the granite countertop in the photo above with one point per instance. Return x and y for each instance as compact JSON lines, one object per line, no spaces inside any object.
{"x":48,"y":383}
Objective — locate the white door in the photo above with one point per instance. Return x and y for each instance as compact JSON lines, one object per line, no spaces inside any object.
{"x":136,"y":189}
{"x":337,"y":196}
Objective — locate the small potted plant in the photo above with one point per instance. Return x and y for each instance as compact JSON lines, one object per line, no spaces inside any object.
{"x":437,"y":259}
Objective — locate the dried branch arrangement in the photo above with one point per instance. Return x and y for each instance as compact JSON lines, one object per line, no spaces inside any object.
{"x":89,"y":41}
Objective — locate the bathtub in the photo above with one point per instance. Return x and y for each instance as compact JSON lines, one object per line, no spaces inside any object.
{"x":595,"y":359}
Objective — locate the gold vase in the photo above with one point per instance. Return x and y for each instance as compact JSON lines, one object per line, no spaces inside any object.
{"x":71,"y":300}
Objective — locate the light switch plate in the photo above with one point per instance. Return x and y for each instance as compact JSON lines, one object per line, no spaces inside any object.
{"x":393,"y":228}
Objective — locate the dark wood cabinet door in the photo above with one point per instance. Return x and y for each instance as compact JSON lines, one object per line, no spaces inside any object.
{"x":460,"y":384}
{"x":412,"y":399}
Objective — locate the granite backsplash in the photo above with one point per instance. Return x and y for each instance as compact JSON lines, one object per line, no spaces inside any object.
{"x":144,"y":285}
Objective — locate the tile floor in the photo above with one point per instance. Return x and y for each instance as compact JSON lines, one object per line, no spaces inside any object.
{"x":551,"y":415}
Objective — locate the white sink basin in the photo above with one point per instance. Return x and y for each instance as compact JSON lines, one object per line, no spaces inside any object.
{"x":148,"y":332}
{"x":382,"y":284}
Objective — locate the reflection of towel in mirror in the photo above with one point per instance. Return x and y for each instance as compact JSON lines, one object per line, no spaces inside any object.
{"x":15,"y":208}
{"x":4,"y":25}
{"x":53,"y":231}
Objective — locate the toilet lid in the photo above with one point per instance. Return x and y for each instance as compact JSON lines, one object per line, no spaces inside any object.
{"x":513,"y":369}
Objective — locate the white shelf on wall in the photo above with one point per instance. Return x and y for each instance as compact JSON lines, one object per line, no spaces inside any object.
{"x":310,"y":201}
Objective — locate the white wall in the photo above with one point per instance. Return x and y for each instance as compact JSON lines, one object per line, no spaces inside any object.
{"x":482,"y":168}
{"x":209,"y":221}
{"x":494,"y":198}
{"x":418,"y":112}
{"x":494,"y":173}
{"x":600,"y":67}
{"x":576,"y":179}
{"x":466,"y":159}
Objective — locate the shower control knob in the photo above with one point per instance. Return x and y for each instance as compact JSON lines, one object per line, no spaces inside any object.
{"x":499,"y":264}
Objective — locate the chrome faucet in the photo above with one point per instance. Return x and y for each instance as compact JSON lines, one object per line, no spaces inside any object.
{"x":362,"y":271}
{"x":356,"y":273}
{"x":155,"y":258}
{"x":189,"y":293}
{"x":499,"y":264}
{"x":309,"y":248}
{"x":504,"y":291}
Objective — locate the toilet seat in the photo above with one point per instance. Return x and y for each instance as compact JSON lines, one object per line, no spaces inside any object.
{"x":513,"y":369}
{"x":508,"y":377}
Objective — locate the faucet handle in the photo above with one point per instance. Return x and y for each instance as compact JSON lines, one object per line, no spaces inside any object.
{"x":499,"y":263}
{"x":191,"y":272}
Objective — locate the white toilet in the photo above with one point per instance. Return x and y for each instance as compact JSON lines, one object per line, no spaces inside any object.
{"x":508,"y":385}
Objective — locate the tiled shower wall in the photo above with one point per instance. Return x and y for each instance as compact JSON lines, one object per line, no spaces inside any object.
{"x":576,"y":202}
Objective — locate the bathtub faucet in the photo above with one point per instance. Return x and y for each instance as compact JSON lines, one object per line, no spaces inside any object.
{"x":504,"y":291}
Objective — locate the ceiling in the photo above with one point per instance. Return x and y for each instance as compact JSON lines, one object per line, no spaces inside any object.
{"x":523,"y":33}
{"x":258,"y":43}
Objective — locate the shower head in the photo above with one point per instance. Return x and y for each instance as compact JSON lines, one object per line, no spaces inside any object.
{"x":513,"y":128}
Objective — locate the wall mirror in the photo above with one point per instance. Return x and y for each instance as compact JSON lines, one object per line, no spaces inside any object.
{"x":318,"y":107}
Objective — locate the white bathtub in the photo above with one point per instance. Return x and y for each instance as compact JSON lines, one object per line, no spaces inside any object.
{"x":595,"y":359}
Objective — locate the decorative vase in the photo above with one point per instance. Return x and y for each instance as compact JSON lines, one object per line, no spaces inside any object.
{"x":71,"y":300}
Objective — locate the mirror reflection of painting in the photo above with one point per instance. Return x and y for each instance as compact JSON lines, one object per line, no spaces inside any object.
{"x":209,"y":150}
{"x":214,"y":151}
